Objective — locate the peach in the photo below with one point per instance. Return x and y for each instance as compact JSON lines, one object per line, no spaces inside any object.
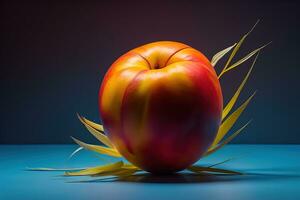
{"x":161,"y":106}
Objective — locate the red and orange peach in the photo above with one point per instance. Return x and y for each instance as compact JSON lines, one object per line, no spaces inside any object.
{"x":161,"y":106}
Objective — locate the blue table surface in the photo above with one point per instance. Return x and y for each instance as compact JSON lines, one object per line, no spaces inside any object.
{"x":271,"y":172}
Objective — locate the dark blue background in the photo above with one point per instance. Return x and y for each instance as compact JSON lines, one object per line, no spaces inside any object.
{"x":54,"y":56}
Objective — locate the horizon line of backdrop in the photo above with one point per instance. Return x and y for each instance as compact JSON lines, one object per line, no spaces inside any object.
{"x":55,"y":54}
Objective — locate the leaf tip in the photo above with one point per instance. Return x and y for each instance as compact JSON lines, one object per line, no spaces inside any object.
{"x":78,"y":115}
{"x":74,"y":139}
{"x":253,"y":27}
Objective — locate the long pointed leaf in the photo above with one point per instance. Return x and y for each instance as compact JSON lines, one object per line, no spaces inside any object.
{"x":53,"y":169}
{"x":98,"y":149}
{"x":230,"y":121}
{"x":236,"y":48}
{"x":220,"y":54}
{"x":200,"y":169}
{"x":130,"y":166}
{"x":226,"y":141}
{"x":108,"y":176}
{"x":96,"y":126}
{"x":118,"y":172}
{"x":233,"y":100}
{"x":96,"y":170}
{"x":100,"y":136}
{"x":244,"y":59}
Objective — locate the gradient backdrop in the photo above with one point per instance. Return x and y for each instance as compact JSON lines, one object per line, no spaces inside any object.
{"x":54,"y":56}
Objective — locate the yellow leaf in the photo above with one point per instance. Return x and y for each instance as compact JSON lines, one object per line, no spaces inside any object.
{"x":199,"y":169}
{"x":220,"y":54}
{"x":236,"y":48}
{"x":96,"y":126}
{"x":100,"y":136}
{"x":226,"y":141}
{"x":245,"y":58}
{"x":229,"y":122}
{"x":130,"y":166}
{"x":53,"y":169}
{"x":126,"y":172}
{"x":96,"y":170}
{"x":98,"y":149}
{"x":233,"y":100}
{"x":119,"y":172}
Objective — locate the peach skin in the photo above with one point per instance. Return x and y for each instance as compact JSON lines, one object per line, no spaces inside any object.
{"x":161,"y":106}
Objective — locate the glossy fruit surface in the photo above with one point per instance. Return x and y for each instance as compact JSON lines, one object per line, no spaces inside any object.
{"x":161,"y":106}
